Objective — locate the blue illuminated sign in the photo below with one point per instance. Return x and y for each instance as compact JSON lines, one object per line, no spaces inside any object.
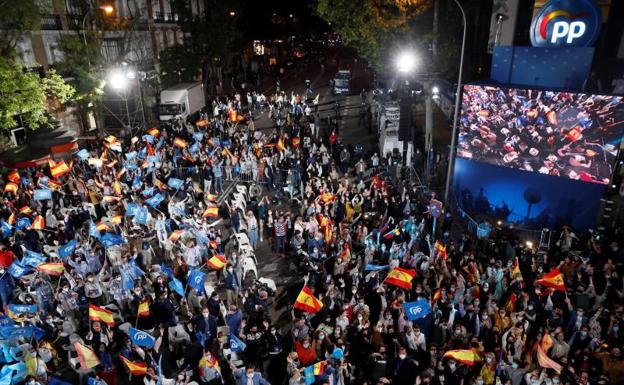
{"x":571,"y":23}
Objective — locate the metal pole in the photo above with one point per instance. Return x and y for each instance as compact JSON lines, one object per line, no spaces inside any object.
{"x":456,"y":112}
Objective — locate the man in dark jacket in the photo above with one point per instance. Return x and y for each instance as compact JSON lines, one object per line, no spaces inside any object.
{"x":206,"y":324}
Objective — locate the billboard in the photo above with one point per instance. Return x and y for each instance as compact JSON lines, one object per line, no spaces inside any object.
{"x":532,"y":200}
{"x":569,"y":135}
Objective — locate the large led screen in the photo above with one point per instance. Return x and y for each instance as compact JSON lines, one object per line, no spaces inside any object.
{"x":571,"y":135}
{"x":529,"y":199}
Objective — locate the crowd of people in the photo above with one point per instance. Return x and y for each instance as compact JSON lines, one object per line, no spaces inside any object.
{"x":124,"y":265}
{"x":555,"y":133}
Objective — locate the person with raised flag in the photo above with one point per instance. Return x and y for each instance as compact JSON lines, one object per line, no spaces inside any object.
{"x":400,"y":277}
{"x":307,"y":302}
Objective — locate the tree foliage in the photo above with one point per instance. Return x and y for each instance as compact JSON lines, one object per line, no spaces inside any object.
{"x":372,"y":26}
{"x":25,"y":94}
{"x":17,"y":17}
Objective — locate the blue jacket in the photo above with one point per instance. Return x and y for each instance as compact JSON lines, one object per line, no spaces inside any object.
{"x":231,"y":281}
{"x":241,"y":377}
{"x":234,"y":321}
{"x":208,"y":327}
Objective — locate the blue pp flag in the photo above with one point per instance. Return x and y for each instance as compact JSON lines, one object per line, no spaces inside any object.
{"x":196,"y":280}
{"x":200,"y":237}
{"x":94,"y":381}
{"x":12,"y":332}
{"x":166,"y":269}
{"x":155,"y":200}
{"x":131,"y":155}
{"x":148,"y":138}
{"x":236,"y":345}
{"x":308,"y":374}
{"x":6,"y":321}
{"x":141,"y":338}
{"x":148,"y":191}
{"x":111,"y":239}
{"x":141,"y":216}
{"x":83,"y":154}
{"x":127,"y":282}
{"x":194,"y":149}
{"x":371,"y":267}
{"x":93,"y":230}
{"x":136,"y":182}
{"x":16,"y":372}
{"x":43,"y":194}
{"x":22,"y":223}
{"x":17,"y":270}
{"x":33,"y":259}
{"x":6,"y":229}
{"x":176,"y":286}
{"x":198,"y":136}
{"x":131,"y":209}
{"x":175,"y":183}
{"x":153,"y":158}
{"x":20,"y":309}
{"x":417,"y":310}
{"x":67,"y":249}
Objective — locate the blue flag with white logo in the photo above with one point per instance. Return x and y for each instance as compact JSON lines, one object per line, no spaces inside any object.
{"x":155,"y":200}
{"x":175,"y":183}
{"x":200,"y":237}
{"x":167,"y":270}
{"x":194,"y":148}
{"x":371,"y":267}
{"x":83,"y":154}
{"x":17,"y":270}
{"x":33,"y":259}
{"x":22,"y":223}
{"x":111,"y":239}
{"x":131,"y":209}
{"x":131,"y":155}
{"x":148,"y":191}
{"x":417,"y":310}
{"x":176,"y":286}
{"x":43,"y":194}
{"x":67,"y":249}
{"x":196,"y":280}
{"x":93,"y":230}
{"x":308,"y":374}
{"x":236,"y":345}
{"x":141,"y":338}
{"x":198,"y":136}
{"x":141,"y":216}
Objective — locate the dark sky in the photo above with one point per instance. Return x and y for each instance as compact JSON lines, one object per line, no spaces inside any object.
{"x":271,"y":18}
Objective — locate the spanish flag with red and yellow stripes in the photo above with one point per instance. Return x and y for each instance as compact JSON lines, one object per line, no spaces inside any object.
{"x":87,"y":357}
{"x":153,"y":132}
{"x":175,"y":235}
{"x":136,"y":368}
{"x":97,"y":313}
{"x":59,"y":169}
{"x":143,"y":310}
{"x":400,"y":277}
{"x":11,"y":219}
{"x":38,"y":223}
{"x":553,"y":279}
{"x":542,"y":356}
{"x":211,"y":212}
{"x":307,"y":302}
{"x":52,"y":268}
{"x":117,"y":219}
{"x":436,"y":296}
{"x":440,"y":249}
{"x":217,"y":262}
{"x":211,"y":197}
{"x":179,"y":142}
{"x":465,"y":356}
{"x":11,"y":187}
{"x":280,"y":145}
{"x":25,"y":210}
{"x":14,"y":176}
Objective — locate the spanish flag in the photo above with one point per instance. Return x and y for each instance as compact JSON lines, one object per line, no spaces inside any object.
{"x":327,"y":197}
{"x":143,"y":310}
{"x":136,"y":368}
{"x":160,"y":185}
{"x":400,"y":277}
{"x":14,"y":176}
{"x":515,"y":272}
{"x":149,"y":148}
{"x":280,"y":145}
{"x":345,"y":254}
{"x":179,"y":142}
{"x":210,"y":362}
{"x":11,"y":219}
{"x":201,"y":123}
{"x":211,"y":212}
{"x":117,"y":219}
{"x":440,"y":250}
{"x":542,"y":356}
{"x":87,"y":357}
{"x":211,"y":197}
{"x":213,"y":244}
{"x":52,"y":268}
{"x":175,"y":235}
{"x":436,"y":296}
{"x":329,"y":233}
{"x":110,"y":139}
{"x":153,"y":132}
{"x":117,"y":187}
{"x":510,"y":305}
{"x":25,"y":210}
{"x":319,"y":368}
{"x":547,"y":342}
{"x":11,"y":187}
{"x":468,"y":357}
{"x":38,"y":223}
{"x":392,"y":233}
{"x":54,"y":185}
{"x":553,"y":279}
{"x":101,"y":226}
{"x":97,"y":313}
{"x":307,"y":302}
{"x":59,"y":169}
{"x":109,"y":198}
{"x":296,"y":141}
{"x":217,"y":262}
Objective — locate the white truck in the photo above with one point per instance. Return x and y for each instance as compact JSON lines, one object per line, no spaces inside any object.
{"x":181,"y":101}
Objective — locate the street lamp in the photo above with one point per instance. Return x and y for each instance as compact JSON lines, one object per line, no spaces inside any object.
{"x":406,"y":62}
{"x":232,"y":13}
{"x":118,"y":79}
{"x":456,"y":112}
{"x":108,"y":10}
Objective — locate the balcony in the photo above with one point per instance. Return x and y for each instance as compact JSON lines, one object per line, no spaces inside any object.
{"x":165,"y":17}
{"x":51,"y":22}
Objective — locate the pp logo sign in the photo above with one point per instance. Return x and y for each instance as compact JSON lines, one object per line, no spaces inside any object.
{"x":140,"y":336}
{"x":416,"y":310}
{"x":560,"y":23}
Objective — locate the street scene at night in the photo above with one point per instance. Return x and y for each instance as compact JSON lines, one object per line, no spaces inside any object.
{"x":321,"y":192}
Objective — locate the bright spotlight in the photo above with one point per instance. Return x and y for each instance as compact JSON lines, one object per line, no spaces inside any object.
{"x":499,"y":222}
{"x":529,"y":244}
{"x":117,"y":79}
{"x":108,"y":9}
{"x":406,"y":62}
{"x":435,"y":90}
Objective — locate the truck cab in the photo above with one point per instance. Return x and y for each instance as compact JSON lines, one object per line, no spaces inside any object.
{"x":183,"y":100}
{"x":342,"y":83}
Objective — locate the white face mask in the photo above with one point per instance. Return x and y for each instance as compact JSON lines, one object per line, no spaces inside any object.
{"x":250,"y":375}
{"x":402,"y":356}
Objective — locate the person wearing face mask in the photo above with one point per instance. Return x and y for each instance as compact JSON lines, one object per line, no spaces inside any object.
{"x":305,"y":352}
{"x":276,"y":358}
{"x":404,"y":368}
{"x":206,"y":324}
{"x":488,"y":370}
{"x":453,"y":374}
{"x":248,"y":376}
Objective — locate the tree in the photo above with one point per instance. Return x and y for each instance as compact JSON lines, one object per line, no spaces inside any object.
{"x":373,"y":26}
{"x":17,"y":17}
{"x":26,"y":94}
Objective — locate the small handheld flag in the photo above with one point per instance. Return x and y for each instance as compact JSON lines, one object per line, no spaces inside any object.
{"x":97,"y":313}
{"x":400,"y":277}
{"x":307,"y":302}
